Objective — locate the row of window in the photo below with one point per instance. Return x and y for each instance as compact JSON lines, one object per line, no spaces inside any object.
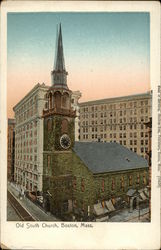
{"x":120,"y":135}
{"x":131,"y":181}
{"x":114,"y":106}
{"x":118,"y":113}
{"x":26,"y":143}
{"x":28,"y":126}
{"x":25,"y":150}
{"x":29,"y":167}
{"x":26,"y":157}
{"x":26,"y":135}
{"x":121,"y":120}
{"x":28,"y":104}
{"x":32,"y":186}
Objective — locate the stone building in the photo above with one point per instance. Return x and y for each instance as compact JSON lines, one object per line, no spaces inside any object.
{"x":80,"y":176}
{"x":28,"y":168}
{"x":10,"y":149}
{"x":119,"y":119}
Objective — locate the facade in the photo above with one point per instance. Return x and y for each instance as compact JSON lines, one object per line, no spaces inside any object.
{"x":76,"y":95}
{"x":11,"y":149}
{"x":79,"y":176}
{"x":119,"y":120}
{"x":28,"y":168}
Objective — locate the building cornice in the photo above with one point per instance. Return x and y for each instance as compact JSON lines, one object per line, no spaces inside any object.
{"x":32,"y":91}
{"x":117,"y":99}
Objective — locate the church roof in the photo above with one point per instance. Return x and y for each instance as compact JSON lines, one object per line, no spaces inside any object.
{"x":106,"y":157}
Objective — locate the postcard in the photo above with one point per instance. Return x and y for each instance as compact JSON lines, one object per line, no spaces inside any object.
{"x":80,"y":125}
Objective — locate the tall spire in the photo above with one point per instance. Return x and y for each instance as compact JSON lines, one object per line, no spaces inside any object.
{"x":59,"y":74}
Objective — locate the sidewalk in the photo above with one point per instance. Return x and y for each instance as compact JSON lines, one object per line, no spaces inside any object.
{"x":125,"y":215}
{"x":34,"y":210}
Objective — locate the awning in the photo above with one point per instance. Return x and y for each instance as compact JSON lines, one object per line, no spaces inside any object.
{"x":142,"y":195}
{"x":109,"y":205}
{"x":146,"y":191}
{"x":130,"y":192}
{"x":105,"y":218}
{"x":99,"y":209}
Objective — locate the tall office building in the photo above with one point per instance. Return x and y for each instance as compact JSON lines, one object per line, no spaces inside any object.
{"x":120,"y":119}
{"x":10,"y":149}
{"x":29,"y":139}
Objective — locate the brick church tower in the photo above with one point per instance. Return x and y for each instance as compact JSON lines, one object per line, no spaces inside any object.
{"x":58,"y":125}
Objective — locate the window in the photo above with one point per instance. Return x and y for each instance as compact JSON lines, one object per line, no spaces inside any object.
{"x":142,"y":134}
{"x":49,"y":124}
{"x":103,"y":185}
{"x":48,"y":163}
{"x":82,"y":185}
{"x":135,"y":142}
{"x":74,"y":182}
{"x":144,"y":179}
{"x":122,"y":182}
{"x":113,"y":184}
{"x":142,"y":150}
{"x":130,"y":180}
{"x":138,"y":178}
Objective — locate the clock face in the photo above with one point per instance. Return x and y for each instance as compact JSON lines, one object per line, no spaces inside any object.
{"x":65,"y":141}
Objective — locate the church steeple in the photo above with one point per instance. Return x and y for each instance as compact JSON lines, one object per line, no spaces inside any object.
{"x":59,"y":73}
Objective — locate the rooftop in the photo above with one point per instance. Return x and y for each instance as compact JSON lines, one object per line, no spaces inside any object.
{"x":117,"y":99}
{"x":102,"y":157}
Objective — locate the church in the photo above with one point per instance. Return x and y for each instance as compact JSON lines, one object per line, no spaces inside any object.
{"x":82,"y":179}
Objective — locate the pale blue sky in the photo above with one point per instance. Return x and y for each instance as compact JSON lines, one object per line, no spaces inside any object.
{"x":107,"y":54}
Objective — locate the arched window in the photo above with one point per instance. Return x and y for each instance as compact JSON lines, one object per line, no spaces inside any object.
{"x":74,"y":182}
{"x":113,"y":184}
{"x":49,"y":124}
{"x":122,"y":182}
{"x":138,"y":178}
{"x":103,"y":185}
{"x":144,"y":179}
{"x":130,"y":180}
{"x":82,"y":185}
{"x":57,"y":98}
{"x":65,"y":100}
{"x":64,"y":126}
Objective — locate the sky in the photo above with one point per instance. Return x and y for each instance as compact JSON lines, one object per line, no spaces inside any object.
{"x":107,"y":54}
